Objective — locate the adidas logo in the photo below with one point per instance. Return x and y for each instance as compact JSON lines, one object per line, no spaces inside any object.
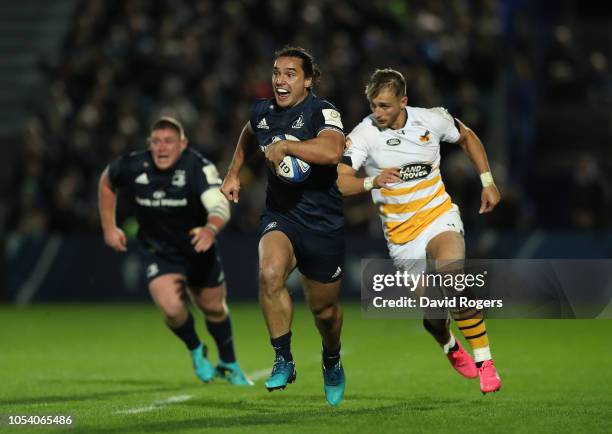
{"x":298,"y":123}
{"x":337,"y":273}
{"x":142,"y":179}
{"x":152,"y":270}
{"x":263,"y":124}
{"x":269,"y":226}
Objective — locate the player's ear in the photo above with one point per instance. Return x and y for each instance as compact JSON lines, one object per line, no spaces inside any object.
{"x":404,"y":101}
{"x":308,"y":83}
{"x":184,"y":143}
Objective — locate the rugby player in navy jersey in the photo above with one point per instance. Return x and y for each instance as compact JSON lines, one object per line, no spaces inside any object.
{"x":302,"y":225}
{"x":179,"y":211}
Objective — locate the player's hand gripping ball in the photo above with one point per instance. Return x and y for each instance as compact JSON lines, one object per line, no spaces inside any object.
{"x":291,"y":169}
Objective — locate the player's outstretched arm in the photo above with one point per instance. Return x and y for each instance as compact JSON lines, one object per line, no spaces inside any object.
{"x":350,"y":184}
{"x":473,"y":147}
{"x":326,"y":149}
{"x":231,"y":183}
{"x":107,"y":202}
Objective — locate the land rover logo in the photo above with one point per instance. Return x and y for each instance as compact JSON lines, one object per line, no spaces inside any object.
{"x":393,"y":142}
{"x":413,"y":171}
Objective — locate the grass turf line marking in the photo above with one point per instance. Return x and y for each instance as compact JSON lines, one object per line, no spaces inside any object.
{"x":255,"y":375}
{"x":259,"y":374}
{"x":156,"y":404}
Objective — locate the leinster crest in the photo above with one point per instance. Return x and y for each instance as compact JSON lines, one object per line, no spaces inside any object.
{"x":178,"y":179}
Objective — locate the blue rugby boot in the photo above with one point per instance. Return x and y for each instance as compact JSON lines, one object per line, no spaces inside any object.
{"x":283,"y":372}
{"x":333,"y":383}
{"x":204,"y":370}
{"x":233,"y":374}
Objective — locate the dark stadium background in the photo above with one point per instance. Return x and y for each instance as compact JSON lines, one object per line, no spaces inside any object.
{"x":81,"y":81}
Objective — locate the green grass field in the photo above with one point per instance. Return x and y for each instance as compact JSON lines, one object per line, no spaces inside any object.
{"x":115,"y":368}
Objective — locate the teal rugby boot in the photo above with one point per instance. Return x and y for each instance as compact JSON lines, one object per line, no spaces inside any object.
{"x":333,"y":383}
{"x":283,"y":372}
{"x":233,"y":374}
{"x":204,"y":370}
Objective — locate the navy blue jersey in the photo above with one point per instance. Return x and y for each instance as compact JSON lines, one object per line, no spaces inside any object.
{"x":315,"y":203}
{"x":168,"y":203}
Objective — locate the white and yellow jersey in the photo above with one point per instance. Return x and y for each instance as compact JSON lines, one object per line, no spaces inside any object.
{"x":406,"y":208}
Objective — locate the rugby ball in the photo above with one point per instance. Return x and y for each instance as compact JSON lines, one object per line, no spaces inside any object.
{"x":291,"y":169}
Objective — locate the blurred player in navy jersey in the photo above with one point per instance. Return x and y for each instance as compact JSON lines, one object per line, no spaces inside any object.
{"x":180,"y":210}
{"x":302,"y":225}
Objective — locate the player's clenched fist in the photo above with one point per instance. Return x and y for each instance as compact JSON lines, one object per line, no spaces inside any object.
{"x":202,"y":238}
{"x":276,"y":152}
{"x":230,"y":188}
{"x":489,"y":198}
{"x":387,"y":176}
{"x":115,"y":238}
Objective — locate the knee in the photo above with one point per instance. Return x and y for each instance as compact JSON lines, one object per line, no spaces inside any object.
{"x":168,"y":295}
{"x":271,"y":278}
{"x":325,"y":313}
{"x":214,"y":310}
{"x":175,"y":314}
{"x":435,"y":325}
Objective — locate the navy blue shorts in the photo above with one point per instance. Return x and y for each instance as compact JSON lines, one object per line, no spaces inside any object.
{"x":320,"y":256}
{"x":202,"y":270}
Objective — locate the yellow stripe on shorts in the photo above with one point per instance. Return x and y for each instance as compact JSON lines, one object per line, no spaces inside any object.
{"x":408,"y":230}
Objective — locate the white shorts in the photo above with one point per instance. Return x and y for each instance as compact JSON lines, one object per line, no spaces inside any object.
{"x":412,"y":256}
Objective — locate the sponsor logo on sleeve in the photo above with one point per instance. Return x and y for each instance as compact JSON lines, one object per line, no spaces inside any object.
{"x":212,"y":175}
{"x":332,"y":117}
{"x":347,"y":147}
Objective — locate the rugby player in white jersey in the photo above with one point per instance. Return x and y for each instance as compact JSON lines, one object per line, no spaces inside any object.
{"x":399,"y":148}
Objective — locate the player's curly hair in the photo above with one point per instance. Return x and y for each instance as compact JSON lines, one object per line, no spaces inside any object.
{"x":385,"y":79}
{"x":311,"y":69}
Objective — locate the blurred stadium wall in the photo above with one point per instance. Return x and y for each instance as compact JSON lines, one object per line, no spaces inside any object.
{"x":80,"y":82}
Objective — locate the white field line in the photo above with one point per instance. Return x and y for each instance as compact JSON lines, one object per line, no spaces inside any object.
{"x":259,"y":374}
{"x":254,"y":375}
{"x":156,"y":404}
